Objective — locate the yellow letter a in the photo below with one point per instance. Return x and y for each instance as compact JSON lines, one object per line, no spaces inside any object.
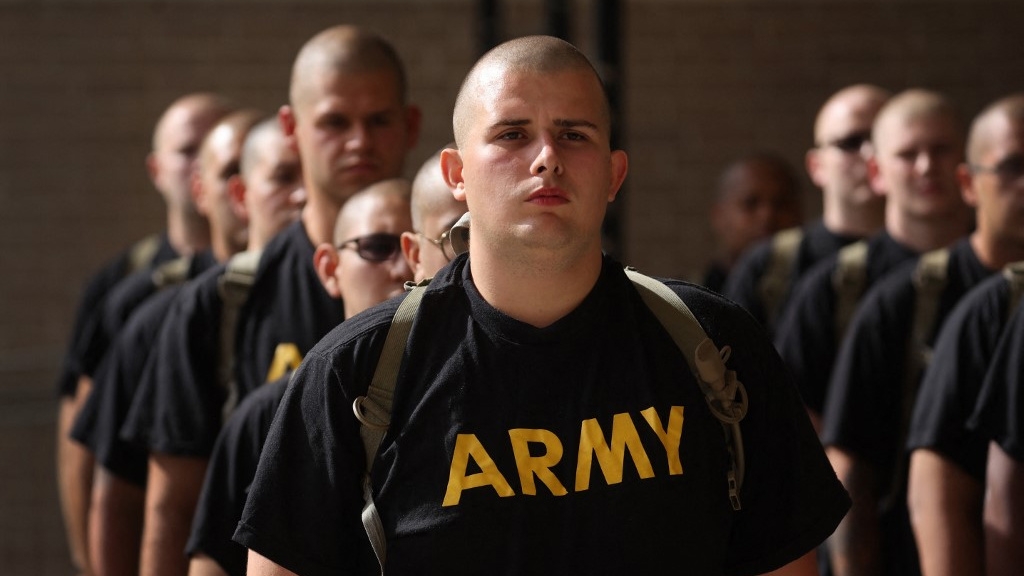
{"x":467,"y":445}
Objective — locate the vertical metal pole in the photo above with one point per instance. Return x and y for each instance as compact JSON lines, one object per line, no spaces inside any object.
{"x":488,"y":25}
{"x":557,"y":12}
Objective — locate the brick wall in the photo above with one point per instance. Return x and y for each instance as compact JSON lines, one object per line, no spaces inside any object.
{"x":82,"y":82}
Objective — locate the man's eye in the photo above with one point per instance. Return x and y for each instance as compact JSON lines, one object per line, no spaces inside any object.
{"x":510,"y":136}
{"x":575,"y":136}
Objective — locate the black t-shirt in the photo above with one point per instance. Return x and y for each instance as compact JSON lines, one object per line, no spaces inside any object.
{"x":950,"y":386}
{"x":524,"y":411}
{"x":806,"y":334}
{"x":124,"y":298}
{"x":232,"y":468}
{"x":864,"y":412}
{"x":178,"y":409}
{"x":999,"y":414}
{"x":743,"y":285}
{"x":87,"y":316}
{"x":115,"y":384}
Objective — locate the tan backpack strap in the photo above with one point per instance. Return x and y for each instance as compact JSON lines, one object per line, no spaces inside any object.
{"x":930,"y":278}
{"x":778,"y":275}
{"x":724,"y":393}
{"x":848,"y":282}
{"x":233,"y":286}
{"x":173,"y":272}
{"x":142,"y":252}
{"x":1014,"y":274}
{"x":374,"y":409}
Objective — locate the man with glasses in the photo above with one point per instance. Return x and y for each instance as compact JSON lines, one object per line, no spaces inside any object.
{"x":363,"y":267}
{"x":947,"y":462}
{"x":434,"y":212}
{"x":837,"y":164}
{"x":350,"y":121}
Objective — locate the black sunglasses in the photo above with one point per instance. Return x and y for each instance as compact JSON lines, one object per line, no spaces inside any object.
{"x":1009,"y":169}
{"x":851,"y":143}
{"x":378,"y":247}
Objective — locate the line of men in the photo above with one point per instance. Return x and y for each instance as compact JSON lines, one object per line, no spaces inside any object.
{"x":898,"y":327}
{"x":350,"y":124}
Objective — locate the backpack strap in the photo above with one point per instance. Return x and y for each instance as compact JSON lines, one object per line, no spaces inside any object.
{"x":1014,"y":274}
{"x":233,"y":286}
{"x":930,"y":277}
{"x":848,"y":282}
{"x":778,"y":275}
{"x":171,"y":273}
{"x":142,"y":252}
{"x":374,"y":409}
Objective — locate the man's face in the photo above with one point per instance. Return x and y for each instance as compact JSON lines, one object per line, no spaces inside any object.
{"x":364,"y":283}
{"x":218,"y":163}
{"x":352,"y":131}
{"x":916,"y":165}
{"x":755,"y":204}
{"x":176,"y":152}
{"x":997,"y":183}
{"x":432,"y":257}
{"x":839,"y":166}
{"x":273,"y":187}
{"x":536,"y":169}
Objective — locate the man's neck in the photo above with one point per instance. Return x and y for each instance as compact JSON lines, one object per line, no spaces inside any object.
{"x":187,"y":231}
{"x":859,"y":221}
{"x":319,"y":216}
{"x":995,"y":251}
{"x":923,"y":235}
{"x":534,"y":292}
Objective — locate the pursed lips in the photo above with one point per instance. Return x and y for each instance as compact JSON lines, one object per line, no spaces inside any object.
{"x":548,"y":197}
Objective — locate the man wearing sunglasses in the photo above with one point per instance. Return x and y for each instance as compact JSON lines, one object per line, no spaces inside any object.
{"x":363,"y":267}
{"x":350,"y":122}
{"x":428,"y":248}
{"x":762,"y":279}
{"x":537,"y":425}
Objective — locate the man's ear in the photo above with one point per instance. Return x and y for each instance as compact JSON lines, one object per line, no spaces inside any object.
{"x":326,"y":262}
{"x":236,"y":197}
{"x":411,"y":252}
{"x":620,"y":166}
{"x":152,"y":167}
{"x":875,"y":176}
{"x":812,"y":162}
{"x":196,"y":188}
{"x":966,"y":180}
{"x":286,"y":118}
{"x":451,"y":169}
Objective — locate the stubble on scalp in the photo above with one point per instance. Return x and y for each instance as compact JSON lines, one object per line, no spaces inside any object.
{"x":912,"y":106}
{"x":203,"y":107}
{"x":342,"y":50}
{"x":985,"y":128}
{"x":867,"y":96}
{"x":533,"y":54}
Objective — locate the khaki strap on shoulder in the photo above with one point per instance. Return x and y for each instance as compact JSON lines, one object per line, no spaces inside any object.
{"x":848,"y":283}
{"x":1014,"y":274}
{"x":720,"y":385}
{"x":778,"y":275}
{"x":171,"y":273}
{"x":374,"y":410}
{"x":233,"y":286}
{"x":142,"y":252}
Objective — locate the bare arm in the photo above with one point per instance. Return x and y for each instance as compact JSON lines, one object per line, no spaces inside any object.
{"x":945,"y":510}
{"x":115,"y":525}
{"x":855,"y":547}
{"x":260,"y":566}
{"x":1004,"y":513}
{"x":74,"y":477}
{"x":203,"y":565}
{"x":171,"y":496}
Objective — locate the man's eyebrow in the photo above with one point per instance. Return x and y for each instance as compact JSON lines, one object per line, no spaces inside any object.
{"x":573,"y":123}
{"x":508,"y":123}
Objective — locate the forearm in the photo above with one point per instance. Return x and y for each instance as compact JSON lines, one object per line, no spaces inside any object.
{"x":74,"y":477}
{"x":945,"y":512}
{"x":203,"y":565}
{"x":855,"y":547}
{"x":260,"y":566}
{"x":115,"y":525}
{"x":806,"y":565}
{"x":171,"y":496}
{"x":1004,"y":514}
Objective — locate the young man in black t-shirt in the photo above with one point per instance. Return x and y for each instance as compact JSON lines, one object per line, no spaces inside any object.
{"x":176,"y":140}
{"x":538,"y":418}
{"x":349,"y":118}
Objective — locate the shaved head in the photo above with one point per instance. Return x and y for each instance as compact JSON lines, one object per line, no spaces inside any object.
{"x":356,"y":209}
{"x":986,"y":126}
{"x":234,"y":126}
{"x":910,"y":107}
{"x":430,"y":193}
{"x":201,"y":108}
{"x":861,"y":100}
{"x":262,"y":134}
{"x":342,"y":50}
{"x":536,"y":54}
